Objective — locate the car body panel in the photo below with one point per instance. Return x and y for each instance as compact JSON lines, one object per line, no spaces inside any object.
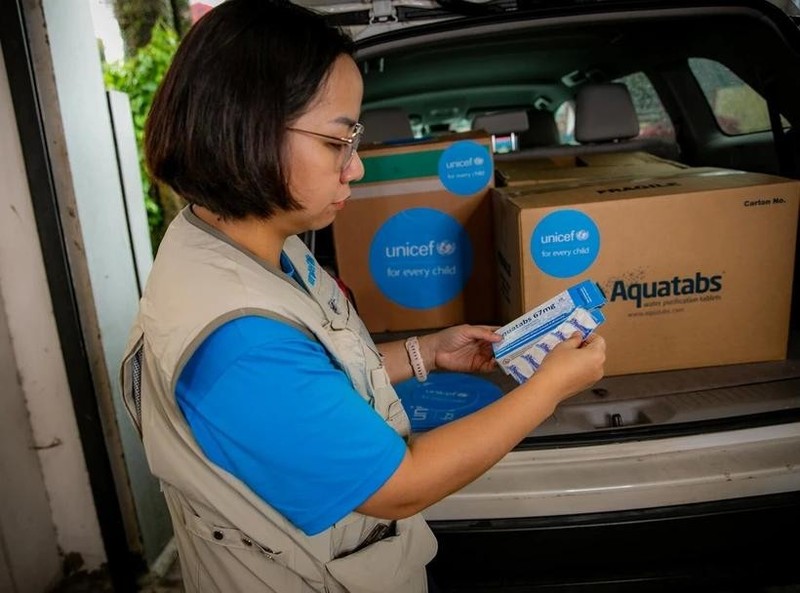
{"x":632,"y":475}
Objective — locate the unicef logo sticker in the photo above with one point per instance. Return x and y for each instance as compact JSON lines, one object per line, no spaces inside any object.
{"x":445,"y":248}
{"x":465,"y":168}
{"x":565,"y":243}
{"x":444,"y":397}
{"x":420,"y":258}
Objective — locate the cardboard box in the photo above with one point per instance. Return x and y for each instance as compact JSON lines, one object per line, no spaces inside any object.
{"x":414,"y":242}
{"x":697,"y":267}
{"x":528,"y":171}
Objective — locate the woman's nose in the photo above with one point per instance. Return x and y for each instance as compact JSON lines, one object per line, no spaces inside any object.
{"x":354,"y":169}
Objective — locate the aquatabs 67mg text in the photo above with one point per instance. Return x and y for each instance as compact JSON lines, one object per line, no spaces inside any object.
{"x":528,"y":339}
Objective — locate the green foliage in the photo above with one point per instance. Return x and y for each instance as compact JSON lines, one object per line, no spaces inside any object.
{"x":136,"y":19}
{"x":139,"y":77}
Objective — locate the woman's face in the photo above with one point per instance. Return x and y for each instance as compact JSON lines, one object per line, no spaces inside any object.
{"x":317,"y":176}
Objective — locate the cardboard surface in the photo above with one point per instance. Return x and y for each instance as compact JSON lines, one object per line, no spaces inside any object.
{"x":414,"y":242}
{"x":522,"y":172}
{"x":697,"y":267}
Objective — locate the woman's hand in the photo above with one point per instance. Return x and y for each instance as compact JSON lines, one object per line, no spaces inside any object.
{"x":465,"y":348}
{"x":573,"y":365}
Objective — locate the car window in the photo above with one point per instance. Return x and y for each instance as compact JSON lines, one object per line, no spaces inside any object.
{"x":654,"y":122}
{"x":737,"y":107}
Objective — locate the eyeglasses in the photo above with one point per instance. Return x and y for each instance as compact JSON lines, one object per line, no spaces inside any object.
{"x":350,"y":143}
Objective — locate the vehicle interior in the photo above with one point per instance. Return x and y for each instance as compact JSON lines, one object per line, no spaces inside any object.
{"x":577,"y":84}
{"x":698,"y":83}
{"x":444,"y":86}
{"x":703,"y":86}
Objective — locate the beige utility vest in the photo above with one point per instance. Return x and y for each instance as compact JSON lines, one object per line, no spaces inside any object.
{"x":229,"y":540}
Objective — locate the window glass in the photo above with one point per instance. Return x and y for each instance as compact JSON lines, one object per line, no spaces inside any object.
{"x":737,"y":107}
{"x":653,"y":119}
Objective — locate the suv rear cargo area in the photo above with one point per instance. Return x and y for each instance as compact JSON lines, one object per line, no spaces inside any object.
{"x":672,"y":478}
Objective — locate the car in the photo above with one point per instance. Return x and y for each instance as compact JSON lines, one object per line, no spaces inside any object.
{"x":672,"y":480}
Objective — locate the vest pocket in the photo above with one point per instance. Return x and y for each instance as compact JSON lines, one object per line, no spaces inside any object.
{"x":131,"y":382}
{"x":350,"y":350}
{"x":395,"y":564}
{"x":229,"y":537}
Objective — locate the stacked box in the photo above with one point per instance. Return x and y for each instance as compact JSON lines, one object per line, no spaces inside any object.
{"x":414,"y":242}
{"x":517,"y":172}
{"x":697,"y":267}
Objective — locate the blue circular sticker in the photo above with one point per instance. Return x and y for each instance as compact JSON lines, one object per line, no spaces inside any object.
{"x":444,"y":397}
{"x":565,"y":243}
{"x":465,"y":168}
{"x":420,"y":258}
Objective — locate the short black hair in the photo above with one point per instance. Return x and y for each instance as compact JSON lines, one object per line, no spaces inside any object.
{"x":217,"y":124}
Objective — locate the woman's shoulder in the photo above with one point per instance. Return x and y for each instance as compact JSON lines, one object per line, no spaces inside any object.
{"x":256,"y":330}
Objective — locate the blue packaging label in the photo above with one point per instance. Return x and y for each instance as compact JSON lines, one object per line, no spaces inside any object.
{"x":421,"y":258}
{"x":444,"y":397}
{"x":533,"y":335}
{"x":565,"y":243}
{"x":465,"y":168}
{"x":543,"y":319}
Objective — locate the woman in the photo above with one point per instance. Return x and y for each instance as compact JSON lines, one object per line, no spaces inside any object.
{"x":266,"y":410}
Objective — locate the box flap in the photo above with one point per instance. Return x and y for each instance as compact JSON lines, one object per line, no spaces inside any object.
{"x":414,"y":160}
{"x":619,"y":188}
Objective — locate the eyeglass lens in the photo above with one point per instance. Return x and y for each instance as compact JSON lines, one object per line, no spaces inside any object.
{"x":351,"y":149}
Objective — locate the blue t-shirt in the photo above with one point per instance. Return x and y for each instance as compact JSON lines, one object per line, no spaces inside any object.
{"x":270,"y":406}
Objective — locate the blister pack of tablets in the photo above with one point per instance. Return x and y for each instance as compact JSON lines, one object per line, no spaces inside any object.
{"x":530,"y":337}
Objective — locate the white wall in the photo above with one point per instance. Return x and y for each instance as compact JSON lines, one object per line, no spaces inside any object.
{"x":40,"y":446}
{"x":46,"y":499}
{"x":89,"y":190}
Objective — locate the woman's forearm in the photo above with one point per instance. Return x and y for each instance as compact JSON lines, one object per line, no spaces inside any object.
{"x":449,"y":457}
{"x":396,"y":360}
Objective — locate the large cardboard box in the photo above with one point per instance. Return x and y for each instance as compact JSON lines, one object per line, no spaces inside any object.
{"x":414,"y":242}
{"x":697,"y":268}
{"x":527,"y":171}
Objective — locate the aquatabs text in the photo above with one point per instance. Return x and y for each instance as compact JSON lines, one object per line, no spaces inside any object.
{"x":676,"y":286}
{"x":529,"y":318}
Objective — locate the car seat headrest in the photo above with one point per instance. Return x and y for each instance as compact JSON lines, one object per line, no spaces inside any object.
{"x":386,"y":123}
{"x":503,"y":122}
{"x":542,"y":130}
{"x":605,"y":113}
